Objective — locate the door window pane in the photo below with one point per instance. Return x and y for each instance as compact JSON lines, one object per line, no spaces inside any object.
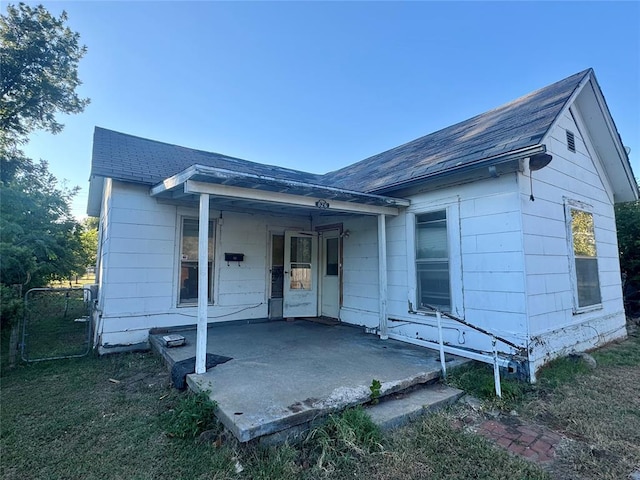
{"x":331,"y":267}
{"x":300,"y":258}
{"x":432,"y":260}
{"x":300,"y":276}
{"x":277,"y":266}
{"x":301,"y":249}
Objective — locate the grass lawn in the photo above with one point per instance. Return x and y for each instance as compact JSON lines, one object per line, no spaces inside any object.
{"x":117,"y":417}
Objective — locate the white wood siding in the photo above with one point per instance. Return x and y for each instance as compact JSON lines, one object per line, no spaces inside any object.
{"x":360,"y":271}
{"x":554,"y":327}
{"x":140,"y":261}
{"x":484,"y":228}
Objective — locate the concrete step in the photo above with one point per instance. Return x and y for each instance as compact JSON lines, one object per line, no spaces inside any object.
{"x":399,"y":409}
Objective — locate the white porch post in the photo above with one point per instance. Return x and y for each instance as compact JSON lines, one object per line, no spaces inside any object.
{"x":382,"y":276}
{"x":203,"y":284}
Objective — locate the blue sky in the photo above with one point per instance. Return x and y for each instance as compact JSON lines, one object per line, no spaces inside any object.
{"x":317,"y":86}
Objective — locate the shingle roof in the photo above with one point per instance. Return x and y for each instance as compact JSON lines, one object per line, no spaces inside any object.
{"x":513,"y":126}
{"x":134,"y":159}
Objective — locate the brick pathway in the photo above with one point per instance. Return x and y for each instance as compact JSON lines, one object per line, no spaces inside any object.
{"x":534,"y":442}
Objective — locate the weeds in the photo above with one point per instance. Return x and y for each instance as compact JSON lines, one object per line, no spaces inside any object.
{"x":375,"y":391}
{"x":343,"y":437}
{"x":193,"y":415}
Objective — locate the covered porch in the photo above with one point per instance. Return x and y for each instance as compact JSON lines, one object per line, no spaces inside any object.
{"x":222,"y":189}
{"x":284,"y":374}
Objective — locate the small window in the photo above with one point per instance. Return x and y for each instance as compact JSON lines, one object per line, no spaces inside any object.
{"x":188,"y":281}
{"x":331,"y":267}
{"x":277,"y":266}
{"x":432,"y":260}
{"x":583,"y":243}
{"x":300,"y":258}
{"x":571,"y":141}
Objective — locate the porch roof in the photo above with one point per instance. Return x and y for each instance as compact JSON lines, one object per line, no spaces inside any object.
{"x":255,"y":191}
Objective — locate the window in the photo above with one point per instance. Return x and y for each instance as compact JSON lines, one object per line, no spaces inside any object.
{"x":432,"y":260}
{"x":300,"y":258}
{"x":331,"y":266}
{"x":585,"y":260}
{"x":277,"y":266}
{"x":188,"y":284}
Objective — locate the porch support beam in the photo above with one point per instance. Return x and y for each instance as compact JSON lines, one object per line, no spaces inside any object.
{"x":382,"y":276}
{"x":240,"y":193}
{"x":203,"y":284}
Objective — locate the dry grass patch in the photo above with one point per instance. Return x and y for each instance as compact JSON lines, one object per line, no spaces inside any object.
{"x":598,"y":411}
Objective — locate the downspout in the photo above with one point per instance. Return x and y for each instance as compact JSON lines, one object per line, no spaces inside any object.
{"x":203,"y":284}
{"x":382,"y":276}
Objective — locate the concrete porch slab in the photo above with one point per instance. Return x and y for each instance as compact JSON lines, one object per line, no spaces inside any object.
{"x":284,"y":374}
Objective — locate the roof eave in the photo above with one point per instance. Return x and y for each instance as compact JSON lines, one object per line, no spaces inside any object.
{"x":199,"y":175}
{"x":483,"y":163}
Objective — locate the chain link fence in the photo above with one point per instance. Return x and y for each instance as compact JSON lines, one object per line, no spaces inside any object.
{"x":57,"y":323}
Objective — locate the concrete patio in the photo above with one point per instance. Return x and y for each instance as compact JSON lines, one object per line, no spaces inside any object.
{"x":285,"y":374}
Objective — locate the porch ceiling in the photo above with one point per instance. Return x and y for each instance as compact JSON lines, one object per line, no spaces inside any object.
{"x":233,"y":191}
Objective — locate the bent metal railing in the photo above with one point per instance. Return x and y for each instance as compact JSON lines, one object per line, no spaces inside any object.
{"x":494,"y":340}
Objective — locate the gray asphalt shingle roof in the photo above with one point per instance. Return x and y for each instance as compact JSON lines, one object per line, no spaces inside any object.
{"x":134,"y":159}
{"x":513,"y":126}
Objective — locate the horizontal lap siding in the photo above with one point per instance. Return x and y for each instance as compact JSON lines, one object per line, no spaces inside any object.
{"x":492,"y":283}
{"x":572,"y":175}
{"x":493,"y":270}
{"x":140,"y":264}
{"x":360,"y":292}
{"x":141,"y":253}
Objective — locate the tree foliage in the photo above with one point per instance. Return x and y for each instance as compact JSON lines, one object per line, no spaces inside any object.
{"x":628,"y":226}
{"x":89,"y":241}
{"x":40,"y":240}
{"x":39,"y":55}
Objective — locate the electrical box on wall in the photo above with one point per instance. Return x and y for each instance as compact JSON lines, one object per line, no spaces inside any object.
{"x":234,"y":257}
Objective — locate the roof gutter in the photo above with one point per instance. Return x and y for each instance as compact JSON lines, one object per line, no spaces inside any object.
{"x":494,"y":160}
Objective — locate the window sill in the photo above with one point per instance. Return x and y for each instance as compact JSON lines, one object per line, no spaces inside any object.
{"x":590,"y":308}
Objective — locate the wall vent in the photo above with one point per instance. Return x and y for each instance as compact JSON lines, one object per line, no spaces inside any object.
{"x":571,"y":141}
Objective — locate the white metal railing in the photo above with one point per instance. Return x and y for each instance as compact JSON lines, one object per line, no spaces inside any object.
{"x":478,"y":355}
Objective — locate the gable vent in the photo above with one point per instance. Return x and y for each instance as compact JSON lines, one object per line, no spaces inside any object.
{"x":571,"y":141}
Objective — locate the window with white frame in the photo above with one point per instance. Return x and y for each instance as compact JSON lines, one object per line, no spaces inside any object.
{"x":188,"y":272}
{"x":584,"y":257}
{"x":432,"y":260}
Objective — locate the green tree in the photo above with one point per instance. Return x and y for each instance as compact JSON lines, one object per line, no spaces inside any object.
{"x":39,"y":57}
{"x":40,"y":241}
{"x":628,"y":225}
{"x":89,"y":240}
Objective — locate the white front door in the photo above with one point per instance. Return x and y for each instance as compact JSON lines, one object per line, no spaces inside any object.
{"x":330,"y":274}
{"x":300,"y":274}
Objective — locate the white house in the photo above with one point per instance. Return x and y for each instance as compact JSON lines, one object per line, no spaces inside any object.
{"x":504,"y":221}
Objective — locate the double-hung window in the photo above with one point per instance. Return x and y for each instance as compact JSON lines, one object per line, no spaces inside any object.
{"x":432,"y":261}
{"x":188,"y":276}
{"x":584,"y":258}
